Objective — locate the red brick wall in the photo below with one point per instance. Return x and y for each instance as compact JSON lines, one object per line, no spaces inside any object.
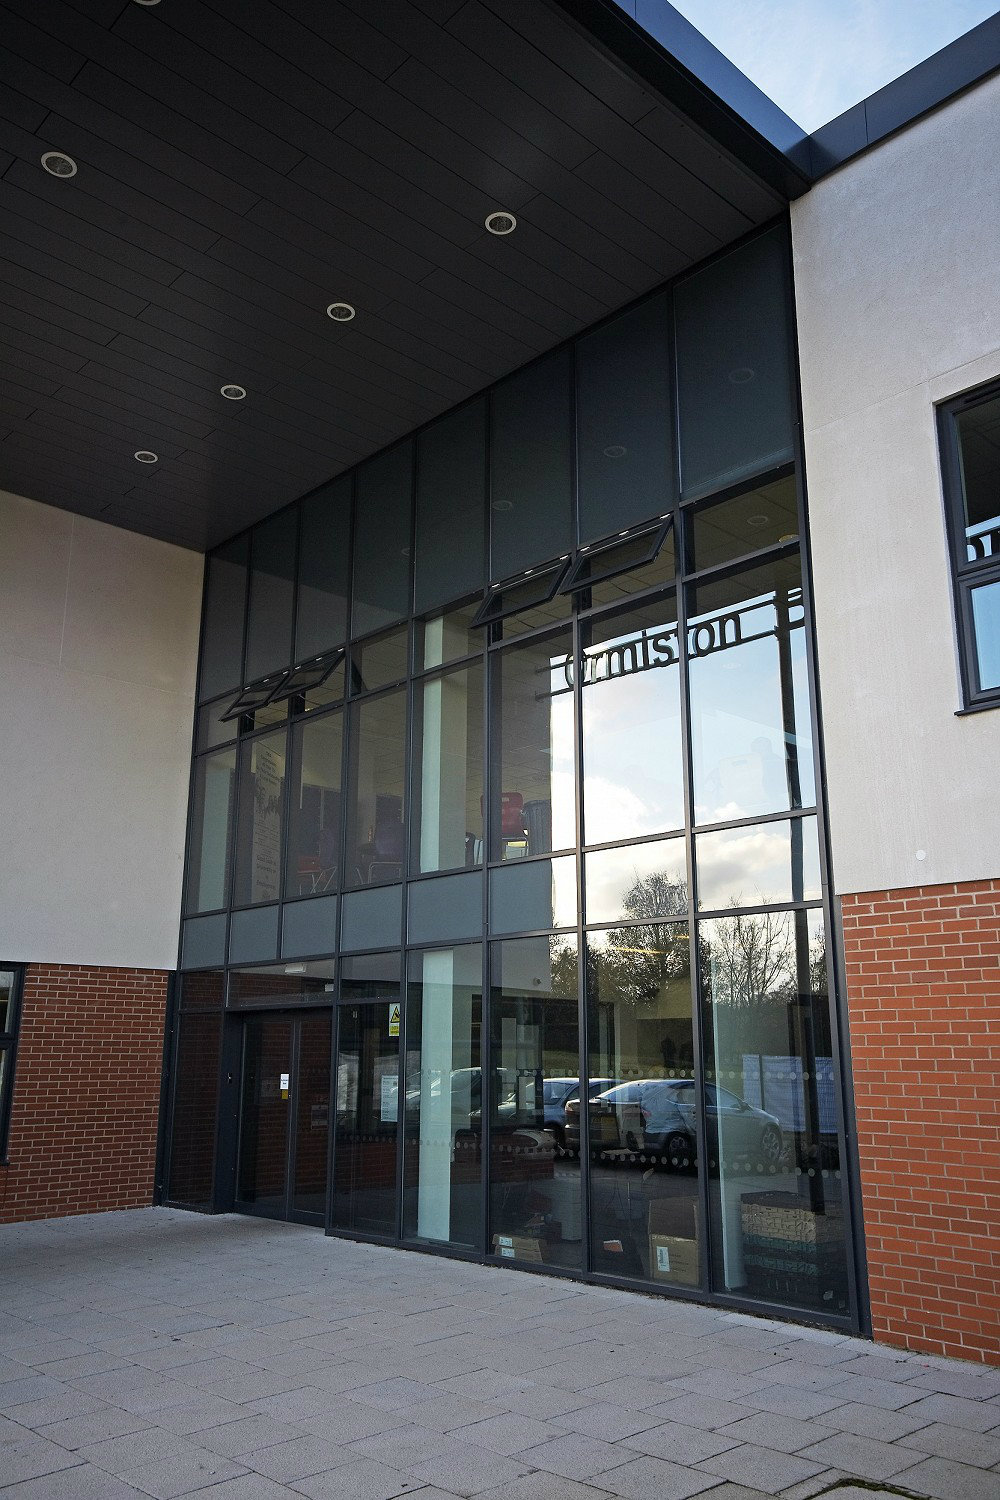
{"x":923,"y":988}
{"x":86,"y":1092}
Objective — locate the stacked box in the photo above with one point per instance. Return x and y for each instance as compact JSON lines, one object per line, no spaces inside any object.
{"x":673,"y":1241}
{"x":517,"y":1247}
{"x":790,"y":1253}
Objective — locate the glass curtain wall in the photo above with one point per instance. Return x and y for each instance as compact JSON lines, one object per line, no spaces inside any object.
{"x":600,"y":805}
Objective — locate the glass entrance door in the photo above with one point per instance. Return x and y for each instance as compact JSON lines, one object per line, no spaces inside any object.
{"x":281,"y":1170}
{"x":365,"y":1140}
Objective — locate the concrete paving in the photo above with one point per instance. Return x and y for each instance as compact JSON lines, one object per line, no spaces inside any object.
{"x":160,"y":1353}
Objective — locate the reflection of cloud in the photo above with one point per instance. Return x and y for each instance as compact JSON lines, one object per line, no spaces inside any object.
{"x":752,"y":866}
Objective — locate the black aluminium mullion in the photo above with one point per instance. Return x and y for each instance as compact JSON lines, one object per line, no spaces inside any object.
{"x":409,"y":774}
{"x":489,"y":719}
{"x":681,"y":543}
{"x":291,"y":1144}
{"x":836,"y":976}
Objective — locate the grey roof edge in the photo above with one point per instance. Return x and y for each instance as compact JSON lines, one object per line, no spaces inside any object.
{"x":670,"y":54}
{"x":966,"y":61}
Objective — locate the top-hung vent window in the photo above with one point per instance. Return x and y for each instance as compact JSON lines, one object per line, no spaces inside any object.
{"x":970,"y":451}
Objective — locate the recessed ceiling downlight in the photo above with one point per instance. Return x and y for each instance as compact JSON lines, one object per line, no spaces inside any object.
{"x":340,"y":312}
{"x":501,"y":222}
{"x":145,"y":457}
{"x":615,"y":450}
{"x":742,"y":375}
{"x":233,"y":392}
{"x":59,"y":164}
{"x":758,"y":521}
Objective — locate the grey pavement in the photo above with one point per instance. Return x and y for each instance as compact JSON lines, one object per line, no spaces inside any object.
{"x":160,"y":1353}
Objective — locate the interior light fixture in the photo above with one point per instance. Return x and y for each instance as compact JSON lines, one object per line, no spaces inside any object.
{"x":503,"y":505}
{"x":742,"y":375}
{"x":500,"y":222}
{"x":147,"y":2}
{"x":58,"y":164}
{"x":615,"y":451}
{"x":289,"y":968}
{"x":757,"y":521}
{"x":340,"y":312}
{"x":145,"y":457}
{"x":233,"y":392}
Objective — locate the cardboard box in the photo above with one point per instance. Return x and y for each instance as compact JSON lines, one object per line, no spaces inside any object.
{"x":517,"y":1247}
{"x":673,"y":1259}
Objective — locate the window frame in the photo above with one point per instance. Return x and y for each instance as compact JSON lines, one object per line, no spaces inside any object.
{"x":8,"y":1049}
{"x":965,"y":575}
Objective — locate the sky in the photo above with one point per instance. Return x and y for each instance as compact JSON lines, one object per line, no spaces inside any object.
{"x":815,"y":58}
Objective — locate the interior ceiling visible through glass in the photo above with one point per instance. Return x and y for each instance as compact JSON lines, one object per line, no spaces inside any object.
{"x":815,"y":58}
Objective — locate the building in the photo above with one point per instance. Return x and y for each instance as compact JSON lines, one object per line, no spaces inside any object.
{"x":598,"y":622}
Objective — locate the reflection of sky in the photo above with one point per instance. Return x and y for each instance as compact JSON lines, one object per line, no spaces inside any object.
{"x":752,"y":866}
{"x":613,"y":873}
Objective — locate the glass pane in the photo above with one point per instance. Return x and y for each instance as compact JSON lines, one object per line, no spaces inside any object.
{"x":448,"y":909}
{"x":253,"y":935}
{"x":451,"y":508}
{"x":379,"y":661}
{"x":210,"y":729}
{"x":774,"y":1172}
{"x":225,"y":603}
{"x":372,"y":918}
{"x":443,"y":1121}
{"x":662,"y":570}
{"x":633,"y":779}
{"x":314,"y":832}
{"x":733,"y":377}
{"x":979,"y":442}
{"x":312,"y":1110}
{"x":309,"y":926}
{"x":552,"y":612}
{"x":446,"y":638}
{"x":8,"y":1018}
{"x":212,"y":809}
{"x":534,"y":804}
{"x":196,"y":1093}
{"x":448,"y":771}
{"x":986,"y":623}
{"x":367,"y":1103}
{"x":624,"y":421}
{"x":203,"y":941}
{"x":746,"y":523}
{"x":330,"y":690}
{"x":282,"y":984}
{"x":644,"y":882}
{"x":382,"y":540}
{"x":258,"y":852}
{"x":643,"y":1105}
{"x":534,"y":1175}
{"x":533,"y":895}
{"x":272,"y":594}
{"x":751,"y":739}
{"x":324,"y":541}
{"x":376,"y":780}
{"x":263,"y":1155}
{"x":530,"y":470}
{"x":757,"y":865}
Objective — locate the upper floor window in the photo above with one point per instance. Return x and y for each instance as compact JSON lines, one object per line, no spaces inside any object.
{"x":970,"y":453}
{"x":10,"y":996}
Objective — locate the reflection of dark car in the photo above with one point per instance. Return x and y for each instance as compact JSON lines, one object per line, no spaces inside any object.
{"x":558,"y":1092}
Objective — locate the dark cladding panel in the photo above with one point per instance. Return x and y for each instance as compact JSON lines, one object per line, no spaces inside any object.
{"x":382,"y":540}
{"x":225,"y":605}
{"x":531,"y":467}
{"x":734,"y":385}
{"x":272,"y":594}
{"x":624,"y":422}
{"x":324,"y":570}
{"x":451,"y":509}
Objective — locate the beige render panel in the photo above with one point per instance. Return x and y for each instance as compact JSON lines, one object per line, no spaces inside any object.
{"x":898,"y":308}
{"x":100,"y":635}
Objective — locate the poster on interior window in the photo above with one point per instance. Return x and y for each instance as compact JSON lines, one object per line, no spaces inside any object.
{"x":266,"y":826}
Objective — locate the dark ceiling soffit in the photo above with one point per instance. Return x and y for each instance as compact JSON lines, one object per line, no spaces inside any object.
{"x":964,"y":62}
{"x":669,"y":54}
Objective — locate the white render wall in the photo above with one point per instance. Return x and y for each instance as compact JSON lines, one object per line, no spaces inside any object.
{"x":898,"y":299}
{"x":98,"y":650}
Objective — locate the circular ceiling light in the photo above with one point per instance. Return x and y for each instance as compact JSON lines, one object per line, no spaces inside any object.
{"x":340,"y":312}
{"x":232,"y":392}
{"x":145,"y":457}
{"x":503,"y":505}
{"x":615,"y":451}
{"x":501,"y":222}
{"x":149,"y":2}
{"x":758,"y":521}
{"x":59,"y":164}
{"x":742,"y":375}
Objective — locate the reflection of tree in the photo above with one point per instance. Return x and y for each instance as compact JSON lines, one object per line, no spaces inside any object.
{"x":761,"y":959}
{"x":636,"y":963}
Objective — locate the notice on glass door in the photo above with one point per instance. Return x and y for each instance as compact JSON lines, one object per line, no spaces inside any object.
{"x":390,"y":1098}
{"x":394,"y":1019}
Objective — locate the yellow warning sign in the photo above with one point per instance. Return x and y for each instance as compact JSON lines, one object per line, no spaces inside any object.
{"x":394,"y":1019}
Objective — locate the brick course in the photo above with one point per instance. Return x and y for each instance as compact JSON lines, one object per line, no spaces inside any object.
{"x":86,"y":1092}
{"x":923,"y":988}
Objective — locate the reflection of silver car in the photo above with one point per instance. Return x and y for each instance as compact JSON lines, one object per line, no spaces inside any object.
{"x":659,"y":1115}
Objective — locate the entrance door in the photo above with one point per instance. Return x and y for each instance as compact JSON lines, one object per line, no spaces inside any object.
{"x":365,"y":1139}
{"x":281,"y":1172}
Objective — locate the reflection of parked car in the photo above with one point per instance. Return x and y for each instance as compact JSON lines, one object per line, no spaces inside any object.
{"x":558,"y":1092}
{"x":659,"y":1115}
